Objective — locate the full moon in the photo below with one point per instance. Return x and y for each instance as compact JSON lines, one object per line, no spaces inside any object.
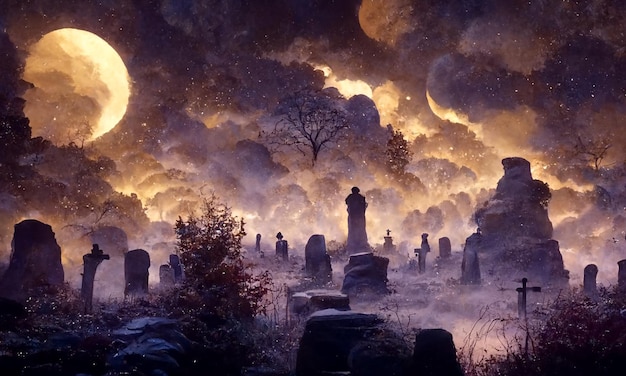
{"x":80,"y":86}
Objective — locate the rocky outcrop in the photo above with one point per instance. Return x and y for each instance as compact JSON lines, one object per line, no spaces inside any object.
{"x":516,"y":231}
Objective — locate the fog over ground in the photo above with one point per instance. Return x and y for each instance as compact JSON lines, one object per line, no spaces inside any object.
{"x":467,"y":82}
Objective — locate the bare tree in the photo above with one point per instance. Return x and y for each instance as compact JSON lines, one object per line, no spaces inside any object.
{"x":592,"y":150}
{"x":309,"y":122}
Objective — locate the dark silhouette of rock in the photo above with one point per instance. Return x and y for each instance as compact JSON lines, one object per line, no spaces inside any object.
{"x":177,"y":268}
{"x":365,"y":273}
{"x":516,"y":229}
{"x":136,"y":265}
{"x":35,"y":260}
{"x":386,"y":355}
{"x":357,"y":234}
{"x":317,"y":260}
{"x":11,"y":312}
{"x":621,"y":276}
{"x":435,"y":354}
{"x":470,"y":267}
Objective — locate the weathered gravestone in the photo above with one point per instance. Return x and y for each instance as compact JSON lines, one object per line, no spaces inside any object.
{"x":35,"y":260}
{"x":177,"y":268}
{"x":166,"y":276}
{"x":317,"y":260}
{"x":357,"y":234}
{"x":423,"y":252}
{"x":90,"y":264}
{"x":337,"y":342}
{"x":282,"y":248}
{"x":136,"y":265}
{"x":590,"y":287}
{"x":307,"y":302}
{"x":445,"y":248}
{"x":435,"y":354}
{"x":365,"y":273}
{"x":470,"y":269}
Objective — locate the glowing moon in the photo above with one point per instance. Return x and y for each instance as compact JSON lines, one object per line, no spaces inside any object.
{"x":81,"y":86}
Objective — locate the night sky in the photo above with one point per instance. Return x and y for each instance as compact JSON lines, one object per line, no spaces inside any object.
{"x":467,"y":82}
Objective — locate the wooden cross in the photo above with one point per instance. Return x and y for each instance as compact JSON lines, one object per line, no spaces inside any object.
{"x":521,"y":297}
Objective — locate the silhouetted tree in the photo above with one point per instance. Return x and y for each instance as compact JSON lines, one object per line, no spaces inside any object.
{"x":592,"y":150}
{"x":397,"y":153}
{"x":309,"y":121}
{"x":210,"y":249}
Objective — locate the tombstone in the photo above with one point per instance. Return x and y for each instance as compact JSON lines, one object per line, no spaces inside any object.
{"x":357,"y":235}
{"x":421,"y":254}
{"x":317,"y":260}
{"x":365,"y":273}
{"x":257,"y":245}
{"x":136,"y":265}
{"x":470,"y":269}
{"x":590,"y":288}
{"x":166,"y":276}
{"x":435,"y":354}
{"x":307,"y":302}
{"x":388,"y":246}
{"x":90,"y":264}
{"x":445,"y":248}
{"x":282,"y":248}
{"x":35,"y":260}
{"x":621,"y":276}
{"x":329,"y":337}
{"x":177,"y":268}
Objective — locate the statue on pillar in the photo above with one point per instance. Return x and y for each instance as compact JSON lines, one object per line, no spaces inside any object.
{"x":357,"y":236}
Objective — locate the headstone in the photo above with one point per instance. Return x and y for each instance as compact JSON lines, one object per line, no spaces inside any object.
{"x":282,"y":248}
{"x":317,"y":260}
{"x":307,"y":302}
{"x":35,"y":260}
{"x":257,"y":245}
{"x":329,"y":336}
{"x":435,"y":354}
{"x":421,"y":255}
{"x":621,"y":276}
{"x":177,"y":268}
{"x":445,"y":248}
{"x":166,"y":276}
{"x":470,"y":269}
{"x":388,"y":246}
{"x":357,"y":234}
{"x":90,"y":264}
{"x":365,"y":273}
{"x":589,"y":281}
{"x":136,"y":265}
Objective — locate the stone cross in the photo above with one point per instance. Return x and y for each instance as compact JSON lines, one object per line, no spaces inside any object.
{"x":90,"y":264}
{"x":521,"y":297}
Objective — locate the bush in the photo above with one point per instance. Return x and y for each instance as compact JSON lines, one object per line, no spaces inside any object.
{"x":210,"y":249}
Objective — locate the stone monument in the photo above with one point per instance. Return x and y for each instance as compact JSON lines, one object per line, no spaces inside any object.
{"x":357,"y":235}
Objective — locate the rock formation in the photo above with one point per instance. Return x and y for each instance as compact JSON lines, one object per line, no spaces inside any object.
{"x":516,"y":230}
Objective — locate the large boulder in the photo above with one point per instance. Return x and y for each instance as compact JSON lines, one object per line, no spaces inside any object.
{"x":35,"y":260}
{"x":516,"y":231}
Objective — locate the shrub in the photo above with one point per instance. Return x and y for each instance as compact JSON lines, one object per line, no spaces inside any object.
{"x":210,"y":249}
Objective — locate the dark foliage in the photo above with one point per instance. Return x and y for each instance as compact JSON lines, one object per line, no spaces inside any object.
{"x":216,"y":276}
